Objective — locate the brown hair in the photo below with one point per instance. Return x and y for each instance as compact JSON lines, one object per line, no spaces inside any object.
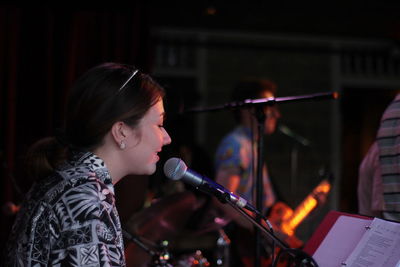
{"x":96,"y":102}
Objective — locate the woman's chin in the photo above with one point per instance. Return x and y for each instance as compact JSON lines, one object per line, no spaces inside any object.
{"x":151,"y":169}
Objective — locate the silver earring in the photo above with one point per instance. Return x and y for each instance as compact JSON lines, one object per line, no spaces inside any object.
{"x":122,"y":145}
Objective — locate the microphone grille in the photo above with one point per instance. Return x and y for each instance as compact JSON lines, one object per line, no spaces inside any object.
{"x":174,"y":168}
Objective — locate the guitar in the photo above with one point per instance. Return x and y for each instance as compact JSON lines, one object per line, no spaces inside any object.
{"x":285,"y":220}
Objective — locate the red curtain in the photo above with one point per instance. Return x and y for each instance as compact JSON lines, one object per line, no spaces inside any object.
{"x":42,"y":51}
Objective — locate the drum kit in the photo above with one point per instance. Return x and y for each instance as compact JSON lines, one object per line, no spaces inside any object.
{"x":171,"y":233}
{"x":163,"y":235}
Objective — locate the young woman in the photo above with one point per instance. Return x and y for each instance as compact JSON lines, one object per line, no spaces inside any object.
{"x":113,"y":127}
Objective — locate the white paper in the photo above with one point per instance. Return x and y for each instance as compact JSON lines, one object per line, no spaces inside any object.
{"x":340,"y":241}
{"x":379,"y":246}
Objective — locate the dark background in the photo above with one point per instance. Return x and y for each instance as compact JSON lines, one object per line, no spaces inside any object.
{"x":45,"y":47}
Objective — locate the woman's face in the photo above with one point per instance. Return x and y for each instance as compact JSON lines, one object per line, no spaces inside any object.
{"x":146,"y":141}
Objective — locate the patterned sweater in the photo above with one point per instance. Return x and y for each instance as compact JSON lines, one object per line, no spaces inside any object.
{"x":69,"y":219}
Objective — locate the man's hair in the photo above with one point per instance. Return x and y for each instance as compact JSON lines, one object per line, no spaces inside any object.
{"x":251,"y":88}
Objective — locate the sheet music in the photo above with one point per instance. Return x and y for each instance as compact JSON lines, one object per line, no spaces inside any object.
{"x":379,"y":246}
{"x":340,"y":241}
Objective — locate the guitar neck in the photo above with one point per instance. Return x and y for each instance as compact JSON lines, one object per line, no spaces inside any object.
{"x":305,"y":207}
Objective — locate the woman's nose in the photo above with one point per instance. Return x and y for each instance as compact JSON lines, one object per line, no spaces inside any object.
{"x":167,"y":138}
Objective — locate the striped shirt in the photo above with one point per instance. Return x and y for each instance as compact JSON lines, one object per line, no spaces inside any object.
{"x":388,"y":139}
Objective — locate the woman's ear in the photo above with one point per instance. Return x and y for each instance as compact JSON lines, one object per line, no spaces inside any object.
{"x":118,"y":133}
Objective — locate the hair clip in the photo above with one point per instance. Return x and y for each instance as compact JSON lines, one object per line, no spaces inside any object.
{"x":127,"y":81}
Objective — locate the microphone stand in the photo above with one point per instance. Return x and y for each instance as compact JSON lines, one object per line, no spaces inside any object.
{"x":265,"y":101}
{"x":138,"y":242}
{"x":260,"y":116}
{"x":300,"y":256}
{"x":159,"y":259}
{"x":258,"y":225}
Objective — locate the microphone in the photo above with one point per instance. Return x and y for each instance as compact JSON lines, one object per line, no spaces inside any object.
{"x":176,"y":169}
{"x":289,"y":132}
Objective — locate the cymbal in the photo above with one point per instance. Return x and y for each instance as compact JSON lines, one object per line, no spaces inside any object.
{"x":165,"y":218}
